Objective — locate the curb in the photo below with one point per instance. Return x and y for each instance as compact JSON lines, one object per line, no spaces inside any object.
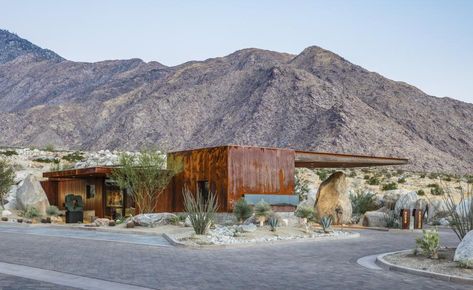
{"x":380,"y":261}
{"x":173,"y":241}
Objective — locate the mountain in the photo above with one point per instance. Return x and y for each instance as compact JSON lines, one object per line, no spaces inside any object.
{"x":316,"y":100}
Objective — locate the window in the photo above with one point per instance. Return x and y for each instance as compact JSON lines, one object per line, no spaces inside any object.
{"x":90,"y":190}
{"x":203,"y":188}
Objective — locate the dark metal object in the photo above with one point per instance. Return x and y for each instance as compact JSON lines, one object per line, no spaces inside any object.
{"x":74,"y":209}
{"x":405,"y":219}
{"x":418,"y":218}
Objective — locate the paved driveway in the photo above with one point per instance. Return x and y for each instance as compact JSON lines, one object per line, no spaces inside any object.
{"x":287,"y":265}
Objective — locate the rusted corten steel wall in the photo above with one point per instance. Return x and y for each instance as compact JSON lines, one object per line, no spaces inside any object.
{"x":198,"y":165}
{"x":50,"y":187}
{"x":259,"y":171}
{"x":232,"y":171}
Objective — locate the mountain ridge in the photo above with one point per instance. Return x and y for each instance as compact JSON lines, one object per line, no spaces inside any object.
{"x":315,"y":100}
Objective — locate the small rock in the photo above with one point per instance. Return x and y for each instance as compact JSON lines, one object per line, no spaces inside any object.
{"x":102,"y":222}
{"x":19,"y":220}
{"x":111,"y":223}
{"x":153,"y":219}
{"x":6,"y":213}
{"x":4,"y":219}
{"x":130,"y":225}
{"x":247,"y":228}
{"x":444,"y":222}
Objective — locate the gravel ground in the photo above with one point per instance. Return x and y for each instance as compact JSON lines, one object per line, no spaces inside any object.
{"x":444,"y":265}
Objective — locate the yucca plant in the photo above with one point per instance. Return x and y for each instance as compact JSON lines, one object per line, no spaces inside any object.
{"x":461,"y":212}
{"x":326,"y":223}
{"x":201,"y":212}
{"x":363,"y":202}
{"x":273,"y":222}
{"x":262,"y":211}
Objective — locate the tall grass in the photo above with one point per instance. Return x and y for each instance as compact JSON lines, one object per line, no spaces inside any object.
{"x":201,"y":212}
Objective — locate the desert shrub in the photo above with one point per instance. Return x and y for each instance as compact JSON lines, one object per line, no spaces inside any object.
{"x":31,"y":212}
{"x":389,"y":186}
{"x":201,"y":212}
{"x":9,"y":153}
{"x":423,"y":175}
{"x":7,"y":179}
{"x":301,"y":187}
{"x":49,"y":147}
{"x":262,"y":210}
{"x":366,"y":177}
{"x":437,"y":190}
{"x":433,"y":175}
{"x":388,"y":175}
{"x":401,"y":180}
{"x":429,"y":244}
{"x":400,"y":172}
{"x":363,"y":202}
{"x":273,"y":222}
{"x":305,"y":212}
{"x":420,"y":192}
{"x":179,"y":218}
{"x":374,"y":181}
{"x":447,"y":178}
{"x":469,"y":179}
{"x":323,"y":174}
{"x":461,"y":212}
{"x":74,"y":157}
{"x":47,"y":160}
{"x":392,"y":221}
{"x":326,"y":223}
{"x":242,"y":210}
{"x":352,"y":173}
{"x":52,"y":210}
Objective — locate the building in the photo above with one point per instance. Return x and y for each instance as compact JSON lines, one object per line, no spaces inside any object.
{"x":230,"y":172}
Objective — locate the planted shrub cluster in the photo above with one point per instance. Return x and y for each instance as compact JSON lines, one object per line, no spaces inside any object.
{"x":389,"y":186}
{"x":363,"y":202}
{"x":242,"y":210}
{"x":429,"y":243}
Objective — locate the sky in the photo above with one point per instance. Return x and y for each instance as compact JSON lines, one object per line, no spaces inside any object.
{"x":428,"y":44}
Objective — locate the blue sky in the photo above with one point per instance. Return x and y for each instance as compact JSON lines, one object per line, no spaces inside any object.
{"x":428,"y":44}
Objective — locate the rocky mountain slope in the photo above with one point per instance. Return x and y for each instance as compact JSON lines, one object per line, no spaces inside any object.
{"x":315,"y":101}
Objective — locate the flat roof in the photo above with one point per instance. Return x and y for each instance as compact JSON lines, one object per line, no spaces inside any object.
{"x":335,"y":160}
{"x":100,"y":171}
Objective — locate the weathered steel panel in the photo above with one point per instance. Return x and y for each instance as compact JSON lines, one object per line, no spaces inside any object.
{"x":208,"y":164}
{"x":254,"y":170}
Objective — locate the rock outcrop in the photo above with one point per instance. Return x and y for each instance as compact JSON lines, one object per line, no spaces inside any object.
{"x":153,"y":219}
{"x":374,"y":219}
{"x":406,"y":201}
{"x":31,"y":194}
{"x":333,"y":199}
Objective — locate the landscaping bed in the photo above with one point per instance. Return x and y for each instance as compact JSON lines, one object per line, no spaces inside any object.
{"x":444,"y":265}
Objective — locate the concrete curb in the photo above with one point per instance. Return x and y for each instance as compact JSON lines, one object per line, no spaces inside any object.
{"x":380,"y":261}
{"x":173,"y":241}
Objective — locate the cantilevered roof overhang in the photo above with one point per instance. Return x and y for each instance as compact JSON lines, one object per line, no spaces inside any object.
{"x":82,"y":172}
{"x":334,"y":160}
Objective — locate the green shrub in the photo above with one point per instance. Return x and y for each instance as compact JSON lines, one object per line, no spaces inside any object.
{"x":389,"y":186}
{"x":242,"y":210}
{"x":9,"y":153}
{"x":47,"y":160}
{"x":262,"y":210}
{"x":429,"y":244}
{"x":436,"y":190}
{"x":326,"y":223}
{"x":305,"y":212}
{"x":401,"y":180}
{"x":388,"y":175}
{"x":392,"y":221}
{"x":32,"y":212}
{"x":323,"y":174}
{"x":352,"y":173}
{"x":423,"y":175}
{"x":433,"y":175}
{"x":52,"y":210}
{"x":373,"y":181}
{"x":201,"y":212}
{"x":49,"y":147}
{"x":363,"y":202}
{"x":420,"y":192}
{"x":400,"y":172}
{"x":469,"y":179}
{"x":273,"y":222}
{"x":74,"y":157}
{"x":366,"y":177}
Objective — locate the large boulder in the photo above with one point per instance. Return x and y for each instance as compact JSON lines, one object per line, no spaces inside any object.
{"x":332,"y":197}
{"x":11,"y":198}
{"x":406,"y":201}
{"x":437,"y":209}
{"x":391,"y":197}
{"x":374,"y":219}
{"x":31,"y":194}
{"x":464,"y":251}
{"x":153,"y":219}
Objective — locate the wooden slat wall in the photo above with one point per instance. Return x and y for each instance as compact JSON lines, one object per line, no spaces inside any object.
{"x":78,"y":187}
{"x":259,"y":171}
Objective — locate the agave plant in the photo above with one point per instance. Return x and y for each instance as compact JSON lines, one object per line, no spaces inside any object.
{"x":273,"y":222}
{"x":201,"y":211}
{"x":326,"y":223}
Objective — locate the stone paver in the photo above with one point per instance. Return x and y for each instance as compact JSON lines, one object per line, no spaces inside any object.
{"x":287,"y":265}
{"x":8,"y":282}
{"x":152,"y":240}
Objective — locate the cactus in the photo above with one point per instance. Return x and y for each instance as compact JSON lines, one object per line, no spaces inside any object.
{"x":326,"y":222}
